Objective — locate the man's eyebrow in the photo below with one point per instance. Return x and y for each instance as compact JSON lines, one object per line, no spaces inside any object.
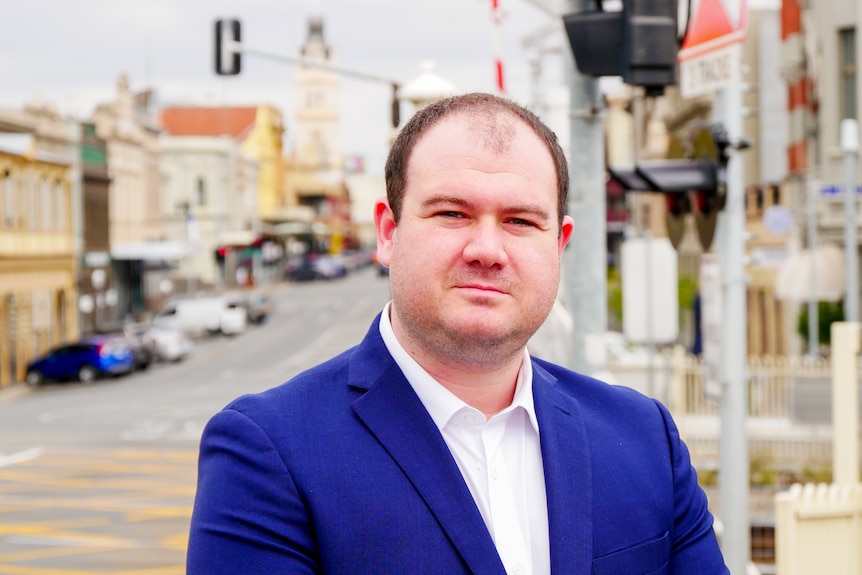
{"x":442,"y":199}
{"x":517,"y":209}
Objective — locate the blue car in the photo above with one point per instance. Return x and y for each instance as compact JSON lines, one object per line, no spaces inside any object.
{"x":85,"y":361}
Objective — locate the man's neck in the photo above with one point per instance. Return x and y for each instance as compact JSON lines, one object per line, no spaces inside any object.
{"x":488,"y":389}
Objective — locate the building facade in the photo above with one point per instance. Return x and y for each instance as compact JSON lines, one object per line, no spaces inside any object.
{"x":820,"y":54}
{"x":131,"y":134}
{"x":209,"y":200}
{"x":38,"y":291}
{"x":98,"y":295}
{"x":230,"y":158}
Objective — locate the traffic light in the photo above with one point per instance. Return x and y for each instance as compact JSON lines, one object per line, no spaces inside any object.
{"x":640,"y":43}
{"x":227,"y":48}
{"x":689,"y":185}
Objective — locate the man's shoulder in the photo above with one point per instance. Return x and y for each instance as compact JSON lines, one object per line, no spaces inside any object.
{"x":321,"y":383}
{"x":588,"y":390}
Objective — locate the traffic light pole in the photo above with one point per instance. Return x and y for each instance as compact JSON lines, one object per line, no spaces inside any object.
{"x":585,"y":260}
{"x":733,"y":442}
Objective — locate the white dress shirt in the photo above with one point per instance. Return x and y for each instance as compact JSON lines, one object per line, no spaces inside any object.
{"x":500,"y":459}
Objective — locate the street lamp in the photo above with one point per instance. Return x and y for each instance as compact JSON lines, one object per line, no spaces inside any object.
{"x":850,"y":147}
{"x":428,"y":87}
{"x":98,"y":277}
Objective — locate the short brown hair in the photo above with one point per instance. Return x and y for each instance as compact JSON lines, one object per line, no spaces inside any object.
{"x":473,"y":103}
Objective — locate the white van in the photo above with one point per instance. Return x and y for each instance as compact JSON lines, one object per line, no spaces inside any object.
{"x":203,"y":315}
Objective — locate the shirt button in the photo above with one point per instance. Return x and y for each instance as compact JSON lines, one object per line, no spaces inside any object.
{"x":517,"y":570}
{"x":470,"y":418}
{"x":493,"y":473}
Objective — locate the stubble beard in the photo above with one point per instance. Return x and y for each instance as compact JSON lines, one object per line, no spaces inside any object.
{"x":469,"y":347}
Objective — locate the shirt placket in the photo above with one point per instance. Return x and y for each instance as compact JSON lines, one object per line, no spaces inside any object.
{"x":508,"y":532}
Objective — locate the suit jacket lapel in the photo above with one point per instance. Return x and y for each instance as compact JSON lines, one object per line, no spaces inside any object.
{"x":568,"y":479}
{"x":393,"y":413}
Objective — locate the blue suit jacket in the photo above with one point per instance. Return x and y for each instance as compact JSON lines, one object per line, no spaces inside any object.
{"x":342,"y":471}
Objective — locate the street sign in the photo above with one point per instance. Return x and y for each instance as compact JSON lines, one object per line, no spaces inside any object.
{"x":709,"y":58}
{"x":650,"y":290}
{"x":709,"y":72}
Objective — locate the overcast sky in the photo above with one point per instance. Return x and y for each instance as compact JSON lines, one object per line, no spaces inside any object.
{"x":70,"y":53}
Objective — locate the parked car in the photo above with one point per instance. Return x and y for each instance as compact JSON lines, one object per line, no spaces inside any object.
{"x":83,"y":360}
{"x":329,"y":267}
{"x":202,"y":315}
{"x":301,"y":272}
{"x":159,"y":343}
{"x":168,"y":344}
{"x":144,"y":354}
{"x":258,"y":308}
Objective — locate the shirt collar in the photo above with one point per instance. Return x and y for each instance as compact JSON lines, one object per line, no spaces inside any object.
{"x":441,"y":403}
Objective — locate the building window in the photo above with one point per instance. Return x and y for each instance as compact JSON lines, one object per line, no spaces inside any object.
{"x":45,"y":204}
{"x":201,"y":191}
{"x":32,"y":203}
{"x":847,"y":76}
{"x":7,"y":218}
{"x":60,"y":205}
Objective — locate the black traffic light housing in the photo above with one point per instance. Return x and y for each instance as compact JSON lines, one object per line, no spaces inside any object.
{"x":689,"y":185}
{"x":228,"y":60}
{"x":640,"y":43}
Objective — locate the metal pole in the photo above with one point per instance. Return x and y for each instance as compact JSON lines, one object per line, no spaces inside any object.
{"x":811,"y":220}
{"x":734,"y":464}
{"x":585,"y":260}
{"x":850,"y":147}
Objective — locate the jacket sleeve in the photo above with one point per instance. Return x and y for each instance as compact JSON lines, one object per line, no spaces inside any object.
{"x":248,"y":516}
{"x":694,"y":547}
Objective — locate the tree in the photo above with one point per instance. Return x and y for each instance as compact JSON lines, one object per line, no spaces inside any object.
{"x":827,"y":312}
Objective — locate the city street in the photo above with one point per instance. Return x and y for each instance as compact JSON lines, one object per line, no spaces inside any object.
{"x":100,"y":478}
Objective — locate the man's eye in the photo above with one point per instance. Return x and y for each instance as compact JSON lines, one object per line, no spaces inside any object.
{"x":450,"y":214}
{"x":522,"y":222}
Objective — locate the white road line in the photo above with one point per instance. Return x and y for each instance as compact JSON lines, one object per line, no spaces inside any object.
{"x":20,"y":457}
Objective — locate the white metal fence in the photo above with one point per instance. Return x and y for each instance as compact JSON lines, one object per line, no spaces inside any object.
{"x":789,"y":407}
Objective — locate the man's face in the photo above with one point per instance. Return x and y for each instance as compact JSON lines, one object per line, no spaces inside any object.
{"x":475,"y":258}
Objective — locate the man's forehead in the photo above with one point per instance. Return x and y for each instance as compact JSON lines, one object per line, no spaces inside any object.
{"x":489,"y":128}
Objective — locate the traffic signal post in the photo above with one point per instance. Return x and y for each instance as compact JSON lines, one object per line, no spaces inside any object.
{"x":640,"y":44}
{"x":229,"y":52}
{"x":585,"y":260}
{"x":733,"y":405}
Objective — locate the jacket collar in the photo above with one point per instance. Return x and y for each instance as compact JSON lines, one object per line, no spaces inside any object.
{"x":568,"y":475}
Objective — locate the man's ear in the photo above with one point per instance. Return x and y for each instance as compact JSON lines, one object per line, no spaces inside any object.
{"x":566,"y":231}
{"x":384,"y":222}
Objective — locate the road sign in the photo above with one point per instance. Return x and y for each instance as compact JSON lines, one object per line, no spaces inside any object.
{"x":709,"y":58}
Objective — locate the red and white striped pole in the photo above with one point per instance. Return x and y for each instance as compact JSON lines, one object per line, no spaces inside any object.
{"x":497,"y":21}
{"x":799,"y":104}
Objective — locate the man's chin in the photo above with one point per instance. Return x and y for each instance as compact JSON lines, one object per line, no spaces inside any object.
{"x":481,"y":333}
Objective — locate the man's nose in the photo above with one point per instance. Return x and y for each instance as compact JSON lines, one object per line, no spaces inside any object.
{"x":485,"y":245}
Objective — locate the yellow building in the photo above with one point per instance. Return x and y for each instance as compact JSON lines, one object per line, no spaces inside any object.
{"x":264,"y":143}
{"x":38,"y":294}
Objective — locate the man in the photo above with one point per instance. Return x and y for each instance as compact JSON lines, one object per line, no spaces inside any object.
{"x":437,"y":445}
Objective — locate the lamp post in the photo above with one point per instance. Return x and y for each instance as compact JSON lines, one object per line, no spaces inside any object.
{"x":850,"y":147}
{"x":426,"y":88}
{"x":98,"y":277}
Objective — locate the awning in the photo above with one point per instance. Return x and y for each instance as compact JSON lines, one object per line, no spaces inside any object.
{"x":152,"y":251}
{"x":238,"y":238}
{"x":823,"y":271}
